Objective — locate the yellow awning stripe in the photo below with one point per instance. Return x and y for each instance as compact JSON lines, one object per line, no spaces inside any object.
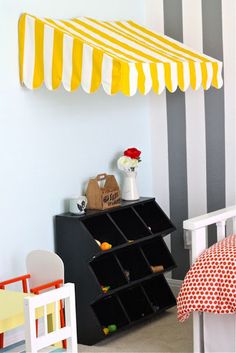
{"x":121,"y":56}
{"x":76,"y":64}
{"x":57,"y":59}
{"x":38,"y":65}
{"x":96,"y":70}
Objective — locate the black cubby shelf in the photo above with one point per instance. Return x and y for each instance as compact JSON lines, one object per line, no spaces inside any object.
{"x":118,"y":286}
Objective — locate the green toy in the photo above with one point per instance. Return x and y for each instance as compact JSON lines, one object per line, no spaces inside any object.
{"x":112,"y":328}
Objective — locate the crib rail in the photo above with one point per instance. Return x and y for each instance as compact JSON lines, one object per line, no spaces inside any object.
{"x":197,"y":227}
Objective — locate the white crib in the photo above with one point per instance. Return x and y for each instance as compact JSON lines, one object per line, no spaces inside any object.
{"x":212,"y":332}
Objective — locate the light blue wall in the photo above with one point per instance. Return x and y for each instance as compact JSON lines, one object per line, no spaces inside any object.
{"x":52,"y":142}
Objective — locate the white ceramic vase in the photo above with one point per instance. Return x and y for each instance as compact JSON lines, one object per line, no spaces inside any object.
{"x":129,"y":189}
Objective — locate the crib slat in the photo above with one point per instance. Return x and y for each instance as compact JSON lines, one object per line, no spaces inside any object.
{"x":234,"y":225}
{"x":56,"y":310}
{"x":199,"y":242}
{"x":220,"y":230}
{"x":45,"y":320}
{"x":198,"y":339}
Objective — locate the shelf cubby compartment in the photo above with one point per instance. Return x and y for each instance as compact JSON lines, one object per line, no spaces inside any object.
{"x":159,"y":293}
{"x":133,"y":262}
{"x":157,"y":253}
{"x":109,"y":311}
{"x":135,"y":303}
{"x":154,"y":217}
{"x":130,"y":224}
{"x":108,"y":271}
{"x":103,"y":230}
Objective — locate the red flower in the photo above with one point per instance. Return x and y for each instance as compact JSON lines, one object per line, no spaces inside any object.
{"x":132,"y":153}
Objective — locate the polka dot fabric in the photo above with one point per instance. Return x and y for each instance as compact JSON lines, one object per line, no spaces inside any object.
{"x":210,"y":284}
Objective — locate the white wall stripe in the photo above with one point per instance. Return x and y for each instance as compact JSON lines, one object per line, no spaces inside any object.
{"x":177,"y":154}
{"x":67,"y":61}
{"x":29,"y":52}
{"x":214,"y":112}
{"x":229,"y":48}
{"x":158,"y":120}
{"x":195,"y":117}
{"x":87,"y":66}
{"x":48,"y":54}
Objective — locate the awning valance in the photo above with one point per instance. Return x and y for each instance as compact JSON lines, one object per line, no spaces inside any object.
{"x":121,"y":56}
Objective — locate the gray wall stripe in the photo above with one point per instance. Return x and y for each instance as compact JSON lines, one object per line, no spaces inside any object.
{"x":177,"y":147}
{"x":214,"y":111}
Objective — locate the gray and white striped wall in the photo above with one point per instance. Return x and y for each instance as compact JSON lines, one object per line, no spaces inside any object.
{"x":193,"y":133}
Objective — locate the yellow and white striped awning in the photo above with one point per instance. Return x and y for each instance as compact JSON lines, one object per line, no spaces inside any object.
{"x":121,"y":56}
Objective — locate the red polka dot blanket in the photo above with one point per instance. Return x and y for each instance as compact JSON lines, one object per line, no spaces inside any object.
{"x":210,"y":284}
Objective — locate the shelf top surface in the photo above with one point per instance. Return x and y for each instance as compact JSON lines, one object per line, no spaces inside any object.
{"x":93,"y":212}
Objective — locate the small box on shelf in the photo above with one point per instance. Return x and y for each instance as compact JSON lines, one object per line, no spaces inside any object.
{"x":103,"y":197}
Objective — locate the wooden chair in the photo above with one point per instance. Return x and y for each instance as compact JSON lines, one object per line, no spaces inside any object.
{"x":34,"y":343}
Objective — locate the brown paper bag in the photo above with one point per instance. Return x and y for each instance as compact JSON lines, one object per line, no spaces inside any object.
{"x":100,"y":198}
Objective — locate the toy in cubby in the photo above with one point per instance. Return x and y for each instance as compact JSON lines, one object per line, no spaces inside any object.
{"x":109,"y":329}
{"x":103,"y":246}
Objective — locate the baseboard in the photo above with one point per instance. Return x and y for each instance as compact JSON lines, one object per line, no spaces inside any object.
{"x":175,"y":285}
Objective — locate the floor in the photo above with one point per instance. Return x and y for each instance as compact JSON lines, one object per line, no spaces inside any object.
{"x":162,"y":334}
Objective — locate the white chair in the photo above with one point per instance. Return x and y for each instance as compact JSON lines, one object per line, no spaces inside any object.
{"x":43,"y":343}
{"x":44,"y":267}
{"x":46,"y":271}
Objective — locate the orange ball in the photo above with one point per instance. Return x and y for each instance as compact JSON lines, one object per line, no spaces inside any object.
{"x":105,"y":246}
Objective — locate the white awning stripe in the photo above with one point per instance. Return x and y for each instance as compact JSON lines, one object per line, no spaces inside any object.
{"x":29,"y":52}
{"x":107,"y":64}
{"x":67,"y":62}
{"x":48,"y":52}
{"x":87,"y":66}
